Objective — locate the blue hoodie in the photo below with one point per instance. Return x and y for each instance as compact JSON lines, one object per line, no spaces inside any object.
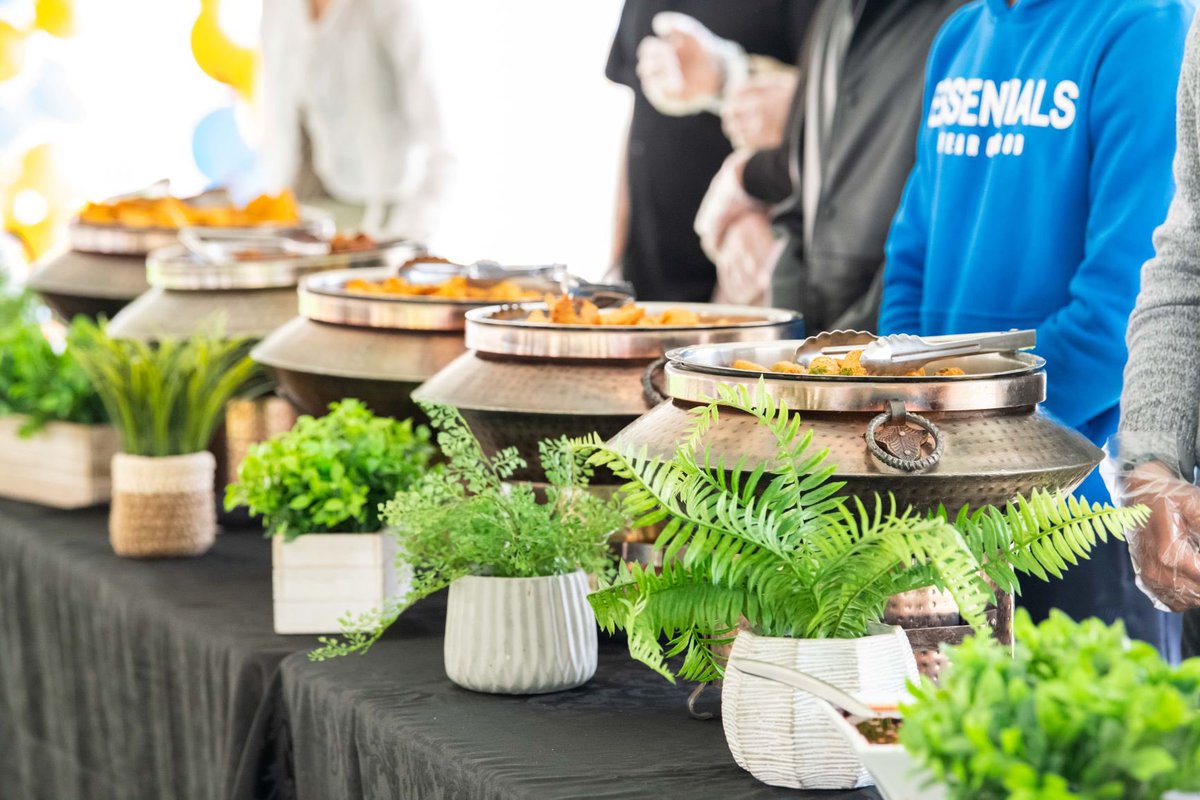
{"x":1043,"y":167}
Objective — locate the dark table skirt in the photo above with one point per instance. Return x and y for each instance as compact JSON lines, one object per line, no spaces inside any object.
{"x":128,"y":680}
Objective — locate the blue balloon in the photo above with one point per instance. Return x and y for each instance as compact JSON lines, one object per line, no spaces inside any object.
{"x":218,"y":149}
{"x":52,"y":96}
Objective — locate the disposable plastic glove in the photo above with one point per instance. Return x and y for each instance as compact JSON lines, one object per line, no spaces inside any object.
{"x":685,"y":68}
{"x":756,"y":113}
{"x":1166,"y":551}
{"x":745,"y":261}
{"x":724,"y":203}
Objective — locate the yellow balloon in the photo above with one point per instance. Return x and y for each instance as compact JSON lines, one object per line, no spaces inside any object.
{"x":12,"y":51}
{"x":220,"y":57}
{"x":38,"y":202}
{"x":55,"y":17}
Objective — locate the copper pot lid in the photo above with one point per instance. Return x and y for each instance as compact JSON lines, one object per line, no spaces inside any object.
{"x":78,"y":274}
{"x":505,"y":331}
{"x":179,"y":269}
{"x":324,"y":297}
{"x":161,"y":313}
{"x":990,"y":382}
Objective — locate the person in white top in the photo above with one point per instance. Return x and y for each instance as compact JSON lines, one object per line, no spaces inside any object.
{"x":350,"y":115}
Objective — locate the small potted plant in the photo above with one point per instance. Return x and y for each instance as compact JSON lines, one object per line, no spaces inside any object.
{"x":318,"y":489}
{"x":165,"y":401}
{"x":516,"y":564}
{"x":1078,"y":712}
{"x":809,"y":573}
{"x":54,"y":448}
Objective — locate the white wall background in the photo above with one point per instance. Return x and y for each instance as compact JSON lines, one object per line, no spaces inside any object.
{"x":536,"y":127}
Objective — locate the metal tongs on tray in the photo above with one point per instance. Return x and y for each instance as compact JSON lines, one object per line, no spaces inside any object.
{"x":902,"y":353}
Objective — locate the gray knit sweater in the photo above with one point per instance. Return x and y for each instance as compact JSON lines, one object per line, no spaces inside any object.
{"x":1160,"y":407}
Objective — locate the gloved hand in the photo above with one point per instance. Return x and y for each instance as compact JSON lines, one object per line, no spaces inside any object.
{"x":1166,"y":551}
{"x":745,"y":260}
{"x":724,"y":203}
{"x":685,"y":68}
{"x":756,"y":113}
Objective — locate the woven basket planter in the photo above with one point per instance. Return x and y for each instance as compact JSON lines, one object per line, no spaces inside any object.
{"x":783,"y":736}
{"x":520,"y":635}
{"x":162,"y":507}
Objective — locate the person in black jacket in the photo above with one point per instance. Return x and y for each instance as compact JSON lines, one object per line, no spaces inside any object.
{"x":670,"y":157}
{"x":832,"y":187}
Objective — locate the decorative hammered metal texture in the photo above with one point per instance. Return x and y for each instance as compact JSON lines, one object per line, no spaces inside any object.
{"x":160,"y":312}
{"x":89,"y":275}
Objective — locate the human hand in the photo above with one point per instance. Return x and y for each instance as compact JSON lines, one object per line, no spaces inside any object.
{"x":1166,"y":550}
{"x":745,"y":260}
{"x":723,"y":203}
{"x":755,"y":114}
{"x":684,"y":67}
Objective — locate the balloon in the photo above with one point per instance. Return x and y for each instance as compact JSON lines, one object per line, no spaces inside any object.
{"x":12,"y":51}
{"x":52,"y":96}
{"x":55,"y":17}
{"x":219,"y":56}
{"x":217,"y":146}
{"x":38,"y":202}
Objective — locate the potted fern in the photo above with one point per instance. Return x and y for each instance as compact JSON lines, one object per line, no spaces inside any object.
{"x":516,"y":564}
{"x":808,"y":574}
{"x":54,"y":446}
{"x":318,"y":489}
{"x":165,"y":401}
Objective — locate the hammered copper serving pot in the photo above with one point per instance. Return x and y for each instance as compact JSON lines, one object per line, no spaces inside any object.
{"x":523,"y":382}
{"x":979,"y":438}
{"x":377,"y":348}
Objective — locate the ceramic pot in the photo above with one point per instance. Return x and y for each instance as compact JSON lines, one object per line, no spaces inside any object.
{"x":162,"y":507}
{"x":783,"y":736}
{"x":520,"y":635}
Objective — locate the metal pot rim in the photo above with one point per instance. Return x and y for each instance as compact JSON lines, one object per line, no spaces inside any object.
{"x":118,"y":239}
{"x":487,"y":332}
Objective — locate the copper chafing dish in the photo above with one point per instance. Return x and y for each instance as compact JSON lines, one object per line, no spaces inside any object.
{"x":973,"y":439}
{"x":251,"y":297}
{"x":525,"y":381}
{"x":105,"y":268}
{"x":379,"y":347}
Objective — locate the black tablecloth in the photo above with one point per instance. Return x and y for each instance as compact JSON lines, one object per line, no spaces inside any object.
{"x":155,"y":680}
{"x":122,"y":679}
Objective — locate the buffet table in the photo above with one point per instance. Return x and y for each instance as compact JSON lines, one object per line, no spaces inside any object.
{"x":125,"y":679}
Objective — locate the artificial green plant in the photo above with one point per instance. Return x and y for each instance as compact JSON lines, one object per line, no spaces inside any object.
{"x":330,"y":474}
{"x":777,"y":546}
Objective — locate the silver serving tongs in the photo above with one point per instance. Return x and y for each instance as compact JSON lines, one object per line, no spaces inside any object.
{"x":901,"y":353}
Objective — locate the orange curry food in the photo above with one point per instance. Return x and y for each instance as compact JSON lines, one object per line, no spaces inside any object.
{"x":456,"y":288}
{"x":564,"y":310}
{"x":173,"y":212}
{"x":826,"y":365}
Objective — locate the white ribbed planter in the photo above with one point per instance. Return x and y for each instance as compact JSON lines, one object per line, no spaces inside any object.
{"x":162,"y":506}
{"x":896,"y":773}
{"x":320,"y":577}
{"x":783,"y":736}
{"x":520,"y":635}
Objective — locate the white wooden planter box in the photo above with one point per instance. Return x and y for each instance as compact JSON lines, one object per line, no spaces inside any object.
{"x":320,"y":577}
{"x":63,"y":465}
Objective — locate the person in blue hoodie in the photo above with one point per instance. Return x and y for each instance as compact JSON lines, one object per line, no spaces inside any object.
{"x":1043,"y":168}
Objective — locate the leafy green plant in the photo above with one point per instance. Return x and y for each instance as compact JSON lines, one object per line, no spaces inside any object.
{"x":777,"y":546}
{"x":1080,"y":713}
{"x":467,"y":520}
{"x":165,"y":399}
{"x":36,"y":380}
{"x":330,"y":474}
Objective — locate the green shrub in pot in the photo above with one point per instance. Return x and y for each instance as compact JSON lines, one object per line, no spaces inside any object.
{"x":810,"y":572}
{"x":166,"y":401}
{"x":512,"y":556}
{"x":330,"y":474}
{"x":1079,"y":713}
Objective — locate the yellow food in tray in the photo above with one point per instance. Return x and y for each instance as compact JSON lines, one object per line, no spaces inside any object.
{"x":850,"y":366}
{"x":456,"y":288}
{"x":564,"y":310}
{"x":172,"y":212}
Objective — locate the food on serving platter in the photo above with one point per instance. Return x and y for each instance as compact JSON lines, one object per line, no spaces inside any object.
{"x":351,"y":243}
{"x":881,"y":730}
{"x":173,"y":212}
{"x":564,"y":310}
{"x":456,"y":288}
{"x":850,"y":366}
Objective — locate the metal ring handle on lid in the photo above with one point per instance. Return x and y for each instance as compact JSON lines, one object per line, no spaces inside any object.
{"x":898,"y":416}
{"x":652,"y":379}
